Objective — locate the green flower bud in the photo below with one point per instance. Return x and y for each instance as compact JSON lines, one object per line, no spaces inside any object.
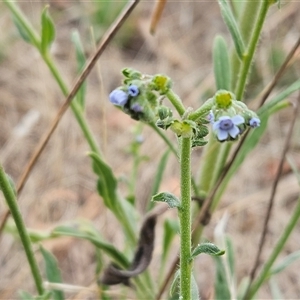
{"x":161,"y":83}
{"x":223,"y":99}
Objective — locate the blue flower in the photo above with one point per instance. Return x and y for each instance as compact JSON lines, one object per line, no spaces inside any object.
{"x":118,"y":97}
{"x":226,"y":126}
{"x":136,"y":107}
{"x":133,"y":90}
{"x":254,"y":122}
{"x":211,"y":117}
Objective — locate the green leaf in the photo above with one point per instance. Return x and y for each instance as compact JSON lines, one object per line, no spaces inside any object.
{"x":243,"y":288}
{"x":47,"y":30}
{"x":107,"y":183}
{"x":222,"y":68}
{"x":52,"y":272}
{"x":194,"y":289}
{"x":287,"y":261}
{"x":80,"y":57}
{"x":25,"y":295}
{"x":171,"y":228}
{"x":275,"y":290}
{"x":280,"y":97}
{"x":175,"y":283}
{"x":207,"y":248}
{"x":168,"y":198}
{"x":233,"y":28}
{"x":85,"y":230}
{"x":230,"y":255}
{"x":22,"y":31}
{"x":221,"y":282}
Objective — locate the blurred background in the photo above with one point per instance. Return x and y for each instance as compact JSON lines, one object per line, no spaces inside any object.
{"x":62,"y":185}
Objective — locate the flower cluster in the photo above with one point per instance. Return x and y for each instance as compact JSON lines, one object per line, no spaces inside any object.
{"x":139,"y":94}
{"x":230,"y":117}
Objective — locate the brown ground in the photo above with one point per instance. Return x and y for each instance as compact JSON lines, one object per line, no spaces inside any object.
{"x":62,"y":185}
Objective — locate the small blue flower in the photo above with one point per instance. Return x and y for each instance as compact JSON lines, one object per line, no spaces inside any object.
{"x":133,"y":90}
{"x":136,"y":107}
{"x":118,"y":97}
{"x":254,"y":122}
{"x":226,"y":126}
{"x":211,"y":117}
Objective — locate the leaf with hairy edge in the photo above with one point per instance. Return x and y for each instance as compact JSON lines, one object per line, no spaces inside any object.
{"x":168,"y":198}
{"x":80,"y":57}
{"x":221,"y":64}
{"x":142,"y":258}
{"x":233,"y":28}
{"x":207,"y":248}
{"x":47,"y":30}
{"x":52,"y":272}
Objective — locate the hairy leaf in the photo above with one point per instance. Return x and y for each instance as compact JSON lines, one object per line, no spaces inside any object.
{"x":168,"y":198}
{"x":47,"y":31}
{"x":207,"y":248}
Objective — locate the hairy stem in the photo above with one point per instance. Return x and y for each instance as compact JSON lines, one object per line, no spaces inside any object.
{"x":23,"y":234}
{"x":185,"y":219}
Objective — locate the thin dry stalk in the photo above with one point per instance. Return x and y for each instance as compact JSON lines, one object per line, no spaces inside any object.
{"x":90,"y":65}
{"x":273,"y":192}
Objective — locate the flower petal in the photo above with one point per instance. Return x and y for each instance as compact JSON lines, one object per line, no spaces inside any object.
{"x":216,"y":125}
{"x":234,"y":131}
{"x":254,"y":122}
{"x":118,"y":97}
{"x":237,"y":120}
{"x":222,"y":135}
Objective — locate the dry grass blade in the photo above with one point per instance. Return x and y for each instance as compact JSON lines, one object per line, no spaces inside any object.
{"x":273,"y":192}
{"x":156,"y":16}
{"x":90,"y":65}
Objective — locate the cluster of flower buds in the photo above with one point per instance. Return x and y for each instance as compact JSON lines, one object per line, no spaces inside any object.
{"x":139,"y":94}
{"x":230,"y":117}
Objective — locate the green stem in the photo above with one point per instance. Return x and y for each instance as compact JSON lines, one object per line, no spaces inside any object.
{"x":16,"y":214}
{"x":248,"y":57}
{"x":185,"y":219}
{"x":278,"y":248}
{"x":202,"y":111}
{"x":176,"y":101}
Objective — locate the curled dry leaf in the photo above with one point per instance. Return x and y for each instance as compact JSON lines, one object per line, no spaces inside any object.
{"x":143,"y":255}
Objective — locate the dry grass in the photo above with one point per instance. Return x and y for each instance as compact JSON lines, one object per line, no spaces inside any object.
{"x":62,"y":185}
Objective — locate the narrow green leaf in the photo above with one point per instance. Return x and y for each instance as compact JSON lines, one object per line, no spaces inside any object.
{"x":280,"y":97}
{"x":221,"y":282}
{"x":80,"y":57}
{"x":207,"y":248}
{"x":86,"y":230}
{"x":52,"y":272}
{"x":107,"y":182}
{"x":230,"y":255}
{"x":233,"y":28}
{"x":194,"y":289}
{"x":160,"y":171}
{"x":171,"y":228}
{"x":168,"y":198}
{"x":47,"y":30}
{"x":175,"y":283}
{"x":22,"y":31}
{"x":25,"y":295}
{"x":243,"y":288}
{"x":275,"y":290}
{"x":286,"y":262}
{"x":222,"y":68}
